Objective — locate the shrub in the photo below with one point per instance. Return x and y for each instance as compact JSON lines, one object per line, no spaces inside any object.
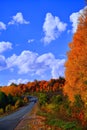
{"x":15,"y":99}
{"x":18,"y":103}
{"x":51,"y":107}
{"x":78,"y":102}
{"x":26,"y":99}
{"x":57,"y":99}
{"x":42,"y":98}
{"x":8,"y":108}
{"x":1,"y":111}
{"x":12,"y":108}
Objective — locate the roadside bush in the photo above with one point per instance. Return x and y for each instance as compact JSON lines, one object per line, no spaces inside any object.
{"x":15,"y":98}
{"x":57,"y":99}
{"x":18,"y":103}
{"x":1,"y":111}
{"x":67,"y":106}
{"x":8,"y":108}
{"x":26,"y":100}
{"x":43,"y":98}
{"x":51,"y":108}
{"x":78,"y":103}
{"x":13,"y":108}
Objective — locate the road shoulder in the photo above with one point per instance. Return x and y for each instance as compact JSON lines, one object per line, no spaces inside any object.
{"x":31,"y":121}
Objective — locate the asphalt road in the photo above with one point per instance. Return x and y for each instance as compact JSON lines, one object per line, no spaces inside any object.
{"x":10,"y":122}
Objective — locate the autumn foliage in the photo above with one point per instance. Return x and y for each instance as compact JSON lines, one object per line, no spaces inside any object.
{"x":53,"y":85}
{"x":76,"y":64}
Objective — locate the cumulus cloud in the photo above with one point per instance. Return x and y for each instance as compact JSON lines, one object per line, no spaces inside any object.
{"x":31,"y":40}
{"x":52,"y":28}
{"x":43,"y":63}
{"x":17,"y":81}
{"x":24,"y":62}
{"x":74,"y":19}
{"x":3,"y":64}
{"x":5,"y":46}
{"x":18,"y":19}
{"x":34,"y":64}
{"x":56,"y":66}
{"x":2,"y":26}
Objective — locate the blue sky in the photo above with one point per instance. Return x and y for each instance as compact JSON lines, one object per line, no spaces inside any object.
{"x":34,"y":37}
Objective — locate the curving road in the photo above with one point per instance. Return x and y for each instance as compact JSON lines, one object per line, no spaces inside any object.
{"x":10,"y":122}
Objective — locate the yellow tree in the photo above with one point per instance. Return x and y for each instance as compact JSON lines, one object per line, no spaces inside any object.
{"x":76,"y":64}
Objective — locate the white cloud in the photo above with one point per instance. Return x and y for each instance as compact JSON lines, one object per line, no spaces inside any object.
{"x":24,"y":62}
{"x":2,"y":26}
{"x":3,"y":64}
{"x":43,"y":63}
{"x":31,"y":40}
{"x":56,"y":66}
{"x":11,"y":61}
{"x":46,"y":58}
{"x":74,"y":19}
{"x":34,"y":64}
{"x":17,"y":81}
{"x":52,"y":28}
{"x":18,"y":19}
{"x":5,"y":46}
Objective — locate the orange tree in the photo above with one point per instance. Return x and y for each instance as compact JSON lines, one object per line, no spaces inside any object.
{"x":76,"y":64}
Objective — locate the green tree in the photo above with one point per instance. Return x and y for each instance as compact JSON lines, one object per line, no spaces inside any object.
{"x":3,"y":100}
{"x":10,"y":99}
